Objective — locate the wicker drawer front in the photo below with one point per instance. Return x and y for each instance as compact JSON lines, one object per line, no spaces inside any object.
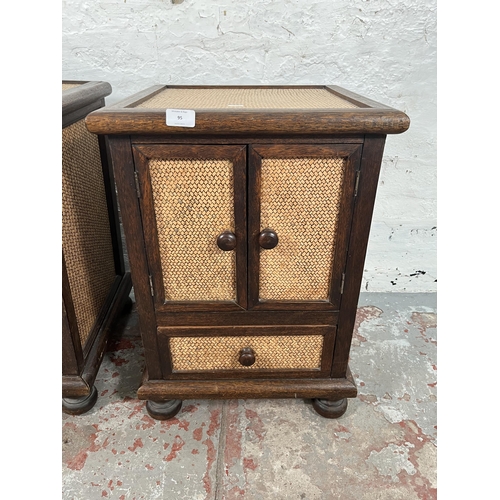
{"x":193,"y":204}
{"x":300,"y":201}
{"x":67,"y":86}
{"x":86,"y":234}
{"x":222,"y":353}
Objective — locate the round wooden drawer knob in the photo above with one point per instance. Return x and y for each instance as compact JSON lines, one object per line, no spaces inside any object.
{"x":247,"y":356}
{"x":226,"y":241}
{"x":268,"y":239}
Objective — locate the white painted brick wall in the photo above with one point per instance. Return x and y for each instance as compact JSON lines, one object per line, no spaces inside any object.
{"x":383,"y":49}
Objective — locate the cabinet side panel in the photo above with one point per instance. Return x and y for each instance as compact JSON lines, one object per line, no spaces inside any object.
{"x":86,"y":236}
{"x":123,"y":166}
{"x":193,"y":204}
{"x":300,"y":201}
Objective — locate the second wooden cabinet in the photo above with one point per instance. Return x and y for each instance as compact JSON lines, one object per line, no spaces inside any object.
{"x":247,"y":245}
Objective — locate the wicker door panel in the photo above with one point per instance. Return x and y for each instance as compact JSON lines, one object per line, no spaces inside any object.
{"x":86,"y":235}
{"x":304,"y":194}
{"x":190,"y":196}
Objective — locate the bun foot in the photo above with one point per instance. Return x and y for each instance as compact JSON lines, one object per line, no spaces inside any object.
{"x":127,"y":306}
{"x":77,"y":406}
{"x":330,"y":409}
{"x":163,"y":410}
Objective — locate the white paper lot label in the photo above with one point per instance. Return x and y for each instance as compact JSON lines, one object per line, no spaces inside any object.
{"x":180,"y":117}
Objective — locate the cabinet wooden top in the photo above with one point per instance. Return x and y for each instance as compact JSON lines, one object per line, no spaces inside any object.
{"x":78,"y":94}
{"x":249,"y":109}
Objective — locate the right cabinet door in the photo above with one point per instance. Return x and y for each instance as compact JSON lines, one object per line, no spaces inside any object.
{"x":300,"y":204}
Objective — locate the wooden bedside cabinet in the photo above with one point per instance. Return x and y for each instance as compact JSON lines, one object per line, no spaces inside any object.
{"x":247,"y":229}
{"x":95,"y":286}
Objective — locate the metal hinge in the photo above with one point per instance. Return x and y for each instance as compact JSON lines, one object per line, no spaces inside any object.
{"x":151,"y":286}
{"x":342,"y":284}
{"x":137,"y":184}
{"x":358,"y":173}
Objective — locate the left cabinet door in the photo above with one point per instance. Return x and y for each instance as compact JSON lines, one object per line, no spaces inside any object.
{"x":193,"y":210}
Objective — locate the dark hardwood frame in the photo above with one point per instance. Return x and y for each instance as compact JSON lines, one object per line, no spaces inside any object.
{"x":360,"y":133}
{"x":371,"y":118}
{"x":80,"y":363}
{"x":352,"y":154}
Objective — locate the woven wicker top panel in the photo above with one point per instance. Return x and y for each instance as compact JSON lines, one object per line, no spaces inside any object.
{"x":67,"y":86}
{"x":246,"y":98}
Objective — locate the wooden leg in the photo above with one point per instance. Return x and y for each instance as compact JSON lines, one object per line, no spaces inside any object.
{"x":77,"y":406}
{"x":163,"y":410}
{"x":330,"y":409}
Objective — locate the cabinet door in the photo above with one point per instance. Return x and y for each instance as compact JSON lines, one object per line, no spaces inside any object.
{"x":193,"y":209}
{"x":89,"y":239}
{"x":301,"y":199}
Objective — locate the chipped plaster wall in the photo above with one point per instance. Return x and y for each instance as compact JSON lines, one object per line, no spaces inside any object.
{"x":384,"y":49}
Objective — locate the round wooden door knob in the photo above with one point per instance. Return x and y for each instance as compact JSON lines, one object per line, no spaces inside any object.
{"x":226,"y":241}
{"x":268,"y":239}
{"x":247,"y":356}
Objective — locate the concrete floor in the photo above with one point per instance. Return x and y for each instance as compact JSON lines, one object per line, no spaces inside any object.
{"x":384,"y":447}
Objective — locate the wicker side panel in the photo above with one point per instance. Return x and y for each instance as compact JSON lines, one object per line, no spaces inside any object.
{"x":193,"y":204}
{"x":86,"y":237}
{"x":300,"y":200}
{"x":221,"y":353}
{"x":235,"y":98}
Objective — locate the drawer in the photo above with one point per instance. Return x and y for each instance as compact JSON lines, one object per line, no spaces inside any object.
{"x":248,"y":349}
